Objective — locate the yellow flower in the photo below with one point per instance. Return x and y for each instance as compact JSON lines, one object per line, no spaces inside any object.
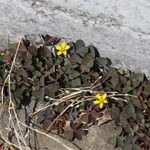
{"x":62,"y":48}
{"x":101,"y":99}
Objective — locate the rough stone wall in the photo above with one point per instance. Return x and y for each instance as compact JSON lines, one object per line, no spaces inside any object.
{"x":119,"y":28}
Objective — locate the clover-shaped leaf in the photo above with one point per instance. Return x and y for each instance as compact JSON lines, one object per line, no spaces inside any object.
{"x":2,"y":57}
{"x":103,"y":61}
{"x":74,"y":74}
{"x":82,"y":51}
{"x":137,"y":79}
{"x":75,"y":82}
{"x":75,"y":59}
{"x":51,"y":89}
{"x":88,"y":61}
{"x":79,"y":44}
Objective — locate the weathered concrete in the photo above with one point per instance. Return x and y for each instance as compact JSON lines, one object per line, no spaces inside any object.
{"x":42,"y":142}
{"x":97,"y":137}
{"x":120,"y":29}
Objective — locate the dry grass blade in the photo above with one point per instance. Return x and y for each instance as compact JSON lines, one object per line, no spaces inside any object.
{"x":71,"y":96}
{"x":13,"y":118}
{"x":70,"y":105}
{"x":50,"y":136}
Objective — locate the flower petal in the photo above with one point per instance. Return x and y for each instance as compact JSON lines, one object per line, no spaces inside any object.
{"x":67,"y":47}
{"x":104,"y":96}
{"x":64,"y":52}
{"x":96,"y":102}
{"x":59,"y":53}
{"x":58,"y":47}
{"x":101,"y":105}
{"x":98,"y":96}
{"x":63,"y":45}
{"x":105,"y":101}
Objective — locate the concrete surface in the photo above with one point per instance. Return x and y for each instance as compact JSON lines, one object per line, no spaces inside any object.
{"x":41,"y":142}
{"x":97,"y":137}
{"x":119,"y":28}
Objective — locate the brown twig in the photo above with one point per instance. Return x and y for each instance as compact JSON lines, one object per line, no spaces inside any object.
{"x":95,"y":82}
{"x":100,"y":82}
{"x":50,"y":126}
{"x":11,"y":108}
{"x":122,"y":95}
{"x":49,"y":136}
{"x":44,"y":108}
{"x":63,"y":99}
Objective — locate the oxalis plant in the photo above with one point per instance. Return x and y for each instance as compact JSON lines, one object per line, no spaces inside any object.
{"x":79,"y":88}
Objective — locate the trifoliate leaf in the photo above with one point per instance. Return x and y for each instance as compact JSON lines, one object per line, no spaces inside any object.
{"x":137,"y":79}
{"x":75,"y":59}
{"x":112,"y":140}
{"x":74,"y":74}
{"x":85,"y":78}
{"x":93,"y":51}
{"x":120,"y":141}
{"x":51,"y":90}
{"x":135,"y":101}
{"x":75,"y":82}
{"x":79,"y":44}
{"x":1,"y":57}
{"x":103,"y":61}
{"x":88,"y":61}
{"x":82,"y":51}
{"x":127,"y":88}
{"x":84,"y":69}
{"x":120,"y":70}
{"x":130,"y":110}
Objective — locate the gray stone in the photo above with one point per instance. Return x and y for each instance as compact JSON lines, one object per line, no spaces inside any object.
{"x":120,"y":29}
{"x":41,"y":142}
{"x":97,"y":137}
